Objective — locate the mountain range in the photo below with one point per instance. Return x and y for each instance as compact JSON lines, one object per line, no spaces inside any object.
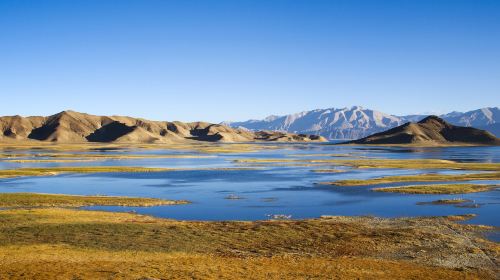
{"x":75,"y":127}
{"x":357,"y":122}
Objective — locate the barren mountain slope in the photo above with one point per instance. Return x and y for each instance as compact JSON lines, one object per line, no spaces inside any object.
{"x":74,"y":127}
{"x":431,"y":130}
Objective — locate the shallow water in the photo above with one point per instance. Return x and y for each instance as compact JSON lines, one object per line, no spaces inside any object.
{"x":265,"y":190}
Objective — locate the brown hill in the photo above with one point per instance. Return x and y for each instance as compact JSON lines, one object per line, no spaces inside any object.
{"x":431,"y":131}
{"x":74,"y":127}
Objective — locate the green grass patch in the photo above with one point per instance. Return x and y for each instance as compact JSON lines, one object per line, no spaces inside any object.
{"x":387,"y":163}
{"x":439,"y":189}
{"x":51,"y":171}
{"x":60,"y":200}
{"x":209,"y":148}
{"x":62,"y":157}
{"x":453,"y":201}
{"x":75,"y":244}
{"x":328,"y":170}
{"x":417,"y":178}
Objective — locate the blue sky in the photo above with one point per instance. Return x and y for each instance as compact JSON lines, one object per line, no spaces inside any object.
{"x":235,"y":60}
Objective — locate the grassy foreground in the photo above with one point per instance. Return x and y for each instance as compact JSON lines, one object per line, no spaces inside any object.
{"x":417,"y":178}
{"x":60,"y":200}
{"x":72,"y":244}
{"x":439,"y":189}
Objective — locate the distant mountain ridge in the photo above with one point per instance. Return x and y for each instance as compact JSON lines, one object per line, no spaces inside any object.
{"x":429,"y":131}
{"x":357,"y":122}
{"x":75,"y":127}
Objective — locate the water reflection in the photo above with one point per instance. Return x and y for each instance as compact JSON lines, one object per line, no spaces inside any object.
{"x":266,"y":190}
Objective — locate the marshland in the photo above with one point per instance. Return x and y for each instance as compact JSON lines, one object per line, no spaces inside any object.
{"x":315,"y":206}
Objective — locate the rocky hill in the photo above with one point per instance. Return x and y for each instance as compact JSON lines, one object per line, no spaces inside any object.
{"x":431,"y":130}
{"x":357,"y":122}
{"x":74,"y":127}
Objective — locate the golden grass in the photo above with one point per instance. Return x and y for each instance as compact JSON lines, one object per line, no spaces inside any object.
{"x":60,"y":200}
{"x":439,"y":189}
{"x":320,"y":155}
{"x":465,"y":217}
{"x":48,"y":160}
{"x":94,"y":157}
{"x":51,"y":171}
{"x":285,"y":164}
{"x":197,"y":146}
{"x":388,"y":163}
{"x":48,"y":243}
{"x":452,"y":201}
{"x":328,"y":170}
{"x":68,"y":262}
{"x":48,"y":171}
{"x":417,"y":178}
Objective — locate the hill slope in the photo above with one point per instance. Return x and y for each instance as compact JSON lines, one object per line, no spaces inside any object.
{"x":431,"y":130}
{"x":357,"y":122}
{"x":74,"y":127}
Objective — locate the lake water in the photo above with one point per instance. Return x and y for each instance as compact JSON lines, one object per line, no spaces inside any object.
{"x":267,"y":190}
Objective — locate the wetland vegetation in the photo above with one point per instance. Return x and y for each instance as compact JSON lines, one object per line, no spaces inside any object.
{"x":417,"y":178}
{"x":453,"y":201}
{"x":51,"y":171}
{"x":386,"y":163}
{"x":55,"y":242}
{"x":43,"y":236}
{"x":8,"y":200}
{"x":439,"y":189}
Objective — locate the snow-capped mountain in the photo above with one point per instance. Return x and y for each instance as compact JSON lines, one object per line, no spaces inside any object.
{"x":479,"y":117}
{"x":357,"y":122}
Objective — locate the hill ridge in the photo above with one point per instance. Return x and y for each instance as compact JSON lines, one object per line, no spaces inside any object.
{"x":430,"y":130}
{"x":75,"y":127}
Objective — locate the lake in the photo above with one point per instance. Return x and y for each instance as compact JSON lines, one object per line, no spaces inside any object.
{"x":261,"y":191}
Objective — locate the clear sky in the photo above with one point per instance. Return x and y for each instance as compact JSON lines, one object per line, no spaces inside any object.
{"x":235,"y":60}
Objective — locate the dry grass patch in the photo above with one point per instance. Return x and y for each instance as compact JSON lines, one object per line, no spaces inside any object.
{"x":60,"y":200}
{"x":328,"y":170}
{"x":68,"y":262}
{"x":439,"y":189}
{"x":417,"y":178}
{"x":453,"y":201}
{"x":196,"y":146}
{"x":89,"y":244}
{"x":321,"y":155}
{"x":96,"y":157}
{"x":388,"y":163}
{"x":51,"y":171}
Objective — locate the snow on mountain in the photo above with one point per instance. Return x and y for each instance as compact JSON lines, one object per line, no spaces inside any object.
{"x":357,"y":122}
{"x":479,"y":117}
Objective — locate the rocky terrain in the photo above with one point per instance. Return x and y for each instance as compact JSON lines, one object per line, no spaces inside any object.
{"x":357,"y":122}
{"x":74,"y":127}
{"x":429,"y":131}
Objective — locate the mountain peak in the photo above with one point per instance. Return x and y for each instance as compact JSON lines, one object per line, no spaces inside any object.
{"x":433,"y":119}
{"x":430,"y":131}
{"x":356,"y":122}
{"x":67,"y":112}
{"x":354,"y":108}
